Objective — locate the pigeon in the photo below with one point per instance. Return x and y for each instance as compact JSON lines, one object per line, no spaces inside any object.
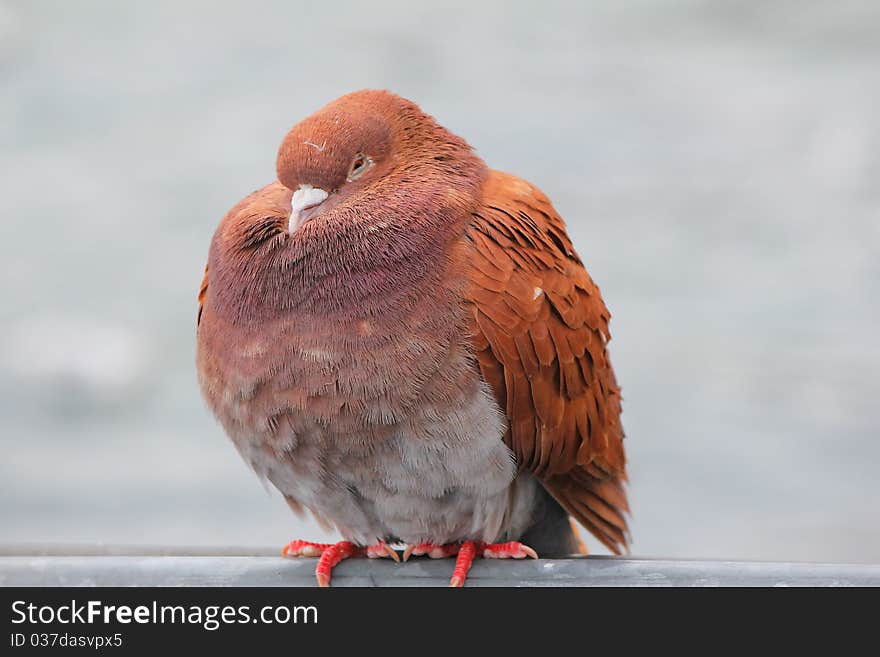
{"x":405,"y":344}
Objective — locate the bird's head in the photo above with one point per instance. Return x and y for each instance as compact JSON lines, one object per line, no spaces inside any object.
{"x":365,"y":149}
{"x":377,"y":192}
{"x":338,"y":152}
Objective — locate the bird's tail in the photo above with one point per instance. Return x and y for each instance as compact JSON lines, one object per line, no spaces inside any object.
{"x":597,"y":501}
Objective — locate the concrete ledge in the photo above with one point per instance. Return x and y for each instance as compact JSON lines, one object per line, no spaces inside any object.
{"x":277,"y":571}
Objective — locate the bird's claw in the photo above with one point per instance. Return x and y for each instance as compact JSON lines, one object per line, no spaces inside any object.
{"x":510,"y":550}
{"x":466,"y":553}
{"x":331,"y":554}
{"x":297,"y":548}
{"x":430,"y":550}
{"x":382,"y":551}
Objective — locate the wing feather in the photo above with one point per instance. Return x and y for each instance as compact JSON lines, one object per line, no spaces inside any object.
{"x":540,"y":331}
{"x":203,"y":293}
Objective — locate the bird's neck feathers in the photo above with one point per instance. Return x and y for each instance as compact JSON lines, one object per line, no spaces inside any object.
{"x":382,"y":252}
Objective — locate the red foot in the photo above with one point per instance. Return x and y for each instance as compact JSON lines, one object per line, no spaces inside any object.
{"x":511,"y":550}
{"x":330,"y":554}
{"x":431,"y":550}
{"x":467,"y":551}
{"x":463,"y":562}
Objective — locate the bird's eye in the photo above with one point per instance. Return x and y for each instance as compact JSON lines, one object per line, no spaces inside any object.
{"x":359,"y":166}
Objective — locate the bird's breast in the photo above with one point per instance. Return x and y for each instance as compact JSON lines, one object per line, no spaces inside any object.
{"x":382,"y":425}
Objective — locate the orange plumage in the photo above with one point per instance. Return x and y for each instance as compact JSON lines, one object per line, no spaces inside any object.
{"x":405,"y":343}
{"x":539,"y":329}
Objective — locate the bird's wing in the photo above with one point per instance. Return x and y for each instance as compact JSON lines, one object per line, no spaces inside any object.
{"x":539,"y":331}
{"x":203,"y":292}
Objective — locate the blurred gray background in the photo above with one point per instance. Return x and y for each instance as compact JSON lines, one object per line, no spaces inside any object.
{"x":717,"y":164}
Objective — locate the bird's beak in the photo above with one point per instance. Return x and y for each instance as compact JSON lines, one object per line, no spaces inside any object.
{"x":303,"y":198}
